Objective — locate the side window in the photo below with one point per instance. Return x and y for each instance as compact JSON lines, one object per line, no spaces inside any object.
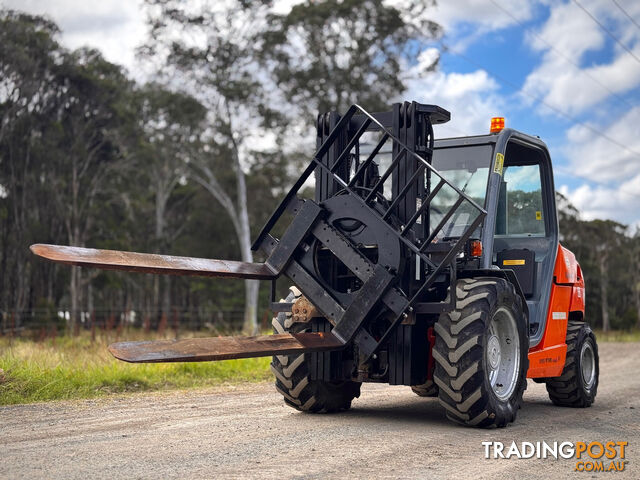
{"x":520,"y":209}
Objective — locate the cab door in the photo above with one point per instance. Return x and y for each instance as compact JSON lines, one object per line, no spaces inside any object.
{"x":525,"y":228}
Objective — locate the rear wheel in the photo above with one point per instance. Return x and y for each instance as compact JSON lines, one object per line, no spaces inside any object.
{"x":578,"y":384}
{"x":481,"y":353}
{"x":293,"y":380}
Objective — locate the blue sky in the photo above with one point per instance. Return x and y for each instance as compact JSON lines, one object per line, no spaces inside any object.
{"x":551,"y":71}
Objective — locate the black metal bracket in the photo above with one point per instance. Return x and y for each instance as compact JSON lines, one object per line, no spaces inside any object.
{"x":299,"y":228}
{"x":338,"y":165}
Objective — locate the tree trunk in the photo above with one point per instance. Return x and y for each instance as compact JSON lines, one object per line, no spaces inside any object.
{"x":74,"y":284}
{"x":250,"y":325}
{"x":252,"y":287}
{"x":90,"y":306}
{"x":166,"y":297}
{"x":635,"y":276}
{"x":73,"y":299}
{"x":604,"y":300}
{"x":162,"y":288}
{"x":636,"y":292}
{"x":239,"y":214}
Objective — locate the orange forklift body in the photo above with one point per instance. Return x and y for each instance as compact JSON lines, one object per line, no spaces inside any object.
{"x":567,"y":300}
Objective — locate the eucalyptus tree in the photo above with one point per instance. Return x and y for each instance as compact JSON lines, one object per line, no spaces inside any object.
{"x":171,"y":126}
{"x":239,"y":59}
{"x":94,"y":109}
{"x":29,"y":55}
{"x":210,"y":51}
{"x":326,"y":55}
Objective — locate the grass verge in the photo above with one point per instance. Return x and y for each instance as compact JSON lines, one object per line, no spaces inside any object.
{"x":618,"y":336}
{"x":77,"y":367}
{"x":73,"y":368}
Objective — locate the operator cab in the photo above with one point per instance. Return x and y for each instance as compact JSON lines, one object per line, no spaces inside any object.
{"x":510,"y":174}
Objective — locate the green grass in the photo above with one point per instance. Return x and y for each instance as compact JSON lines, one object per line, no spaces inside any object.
{"x":77,"y":367}
{"x":73,"y":368}
{"x":618,"y":336}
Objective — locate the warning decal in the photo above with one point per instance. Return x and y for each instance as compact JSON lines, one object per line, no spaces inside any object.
{"x":513,"y":262}
{"x":499,"y":163}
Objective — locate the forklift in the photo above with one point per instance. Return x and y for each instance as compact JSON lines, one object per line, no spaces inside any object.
{"x":430,"y":263}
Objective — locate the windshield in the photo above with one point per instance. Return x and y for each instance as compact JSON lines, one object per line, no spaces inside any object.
{"x":468,"y":169}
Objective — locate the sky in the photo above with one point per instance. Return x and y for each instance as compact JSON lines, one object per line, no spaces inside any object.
{"x":565,"y":70}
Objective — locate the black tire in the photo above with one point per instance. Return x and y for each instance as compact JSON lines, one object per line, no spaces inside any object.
{"x":462,"y":337}
{"x":572,"y":389}
{"x":428,"y":389}
{"x":294,"y":382}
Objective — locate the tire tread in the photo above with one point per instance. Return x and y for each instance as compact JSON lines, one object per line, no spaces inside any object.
{"x":567,"y":390}
{"x":293,"y":380}
{"x":459,"y":354}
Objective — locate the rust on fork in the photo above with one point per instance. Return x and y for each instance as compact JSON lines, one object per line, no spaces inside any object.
{"x":223,"y":348}
{"x":152,"y":263}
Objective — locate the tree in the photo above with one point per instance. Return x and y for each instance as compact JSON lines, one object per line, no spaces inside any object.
{"x":221,"y":73}
{"x":239,"y":67}
{"x":635,"y":272}
{"x":604,"y":252}
{"x":327,"y":55}
{"x":90,"y":117}
{"x":606,"y":237}
{"x":172,"y":126}
{"x":28,"y":99}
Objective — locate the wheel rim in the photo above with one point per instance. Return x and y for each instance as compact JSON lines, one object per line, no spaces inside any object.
{"x":503,"y":353}
{"x":588,"y":365}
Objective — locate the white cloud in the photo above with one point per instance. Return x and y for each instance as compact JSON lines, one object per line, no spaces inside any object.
{"x":597,"y":158}
{"x":620,"y":203}
{"x":611,"y":173}
{"x":471,"y":98}
{"x":571,"y":33}
{"x":465,"y":21}
{"x":612,"y":189}
{"x":569,"y":30}
{"x":112,"y":26}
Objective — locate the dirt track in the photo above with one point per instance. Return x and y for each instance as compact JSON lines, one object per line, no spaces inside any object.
{"x":247,"y":432}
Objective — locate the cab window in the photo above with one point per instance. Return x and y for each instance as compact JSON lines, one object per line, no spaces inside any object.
{"x":520,"y":209}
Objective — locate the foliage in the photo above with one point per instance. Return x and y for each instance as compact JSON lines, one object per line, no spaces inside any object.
{"x":88,"y":157}
{"x":243,"y":68}
{"x":330,"y":54}
{"x":608,"y":255}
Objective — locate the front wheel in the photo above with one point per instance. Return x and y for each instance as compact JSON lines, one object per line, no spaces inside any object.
{"x":293,"y":377}
{"x":481,"y":353}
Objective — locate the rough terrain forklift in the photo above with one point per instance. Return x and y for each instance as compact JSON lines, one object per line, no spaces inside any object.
{"x":428,"y":263}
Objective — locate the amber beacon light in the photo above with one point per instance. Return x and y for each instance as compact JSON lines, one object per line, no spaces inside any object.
{"x":497,"y":124}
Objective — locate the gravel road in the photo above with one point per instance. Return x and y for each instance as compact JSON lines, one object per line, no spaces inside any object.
{"x":247,"y":432}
